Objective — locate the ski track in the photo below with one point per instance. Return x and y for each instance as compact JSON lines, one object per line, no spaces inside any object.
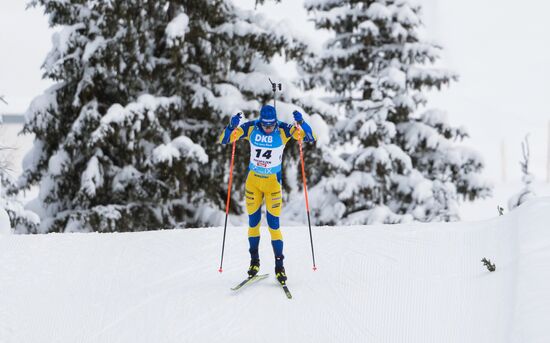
{"x":401,"y":283}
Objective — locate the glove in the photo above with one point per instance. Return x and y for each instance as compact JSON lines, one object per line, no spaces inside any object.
{"x":235,"y":120}
{"x":298,"y":117}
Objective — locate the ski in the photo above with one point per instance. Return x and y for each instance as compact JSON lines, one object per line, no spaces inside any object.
{"x":249,"y":281}
{"x":287,"y":292}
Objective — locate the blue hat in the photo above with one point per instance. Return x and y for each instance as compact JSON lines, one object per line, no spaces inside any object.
{"x":268,"y":115}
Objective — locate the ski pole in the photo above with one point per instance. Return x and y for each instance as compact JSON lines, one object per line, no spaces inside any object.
{"x":305,"y":195}
{"x":228,"y":197}
{"x":274,"y":88}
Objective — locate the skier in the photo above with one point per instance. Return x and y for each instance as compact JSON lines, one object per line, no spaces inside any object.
{"x":267,"y":137}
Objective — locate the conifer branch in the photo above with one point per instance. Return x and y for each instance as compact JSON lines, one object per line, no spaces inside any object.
{"x":490,"y":266}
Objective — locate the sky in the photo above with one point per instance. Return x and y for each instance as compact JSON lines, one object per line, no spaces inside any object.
{"x":25,"y":39}
{"x":498,"y":47}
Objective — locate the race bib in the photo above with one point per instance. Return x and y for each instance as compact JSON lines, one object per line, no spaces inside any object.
{"x":266,"y":152}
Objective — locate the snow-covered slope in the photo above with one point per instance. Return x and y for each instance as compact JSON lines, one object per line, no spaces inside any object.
{"x":402,"y":283}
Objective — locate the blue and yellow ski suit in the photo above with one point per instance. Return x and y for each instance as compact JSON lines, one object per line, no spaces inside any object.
{"x":264,"y":177}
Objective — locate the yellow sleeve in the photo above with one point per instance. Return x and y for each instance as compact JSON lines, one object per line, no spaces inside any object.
{"x":296,"y":133}
{"x":229,"y":136}
{"x":304,"y":133}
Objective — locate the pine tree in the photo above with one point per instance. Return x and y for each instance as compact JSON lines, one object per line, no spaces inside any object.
{"x":127,"y":138}
{"x":401,"y":161}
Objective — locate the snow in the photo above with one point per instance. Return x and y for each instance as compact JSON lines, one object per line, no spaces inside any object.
{"x":378,"y":11}
{"x":253,"y":23}
{"x":32,"y":151}
{"x":368,"y":128}
{"x":370,"y":27}
{"x":98,"y":43}
{"x":92,"y":178}
{"x":423,"y":190}
{"x":62,"y":39}
{"x":165,"y":153}
{"x":58,"y":161}
{"x":133,"y":112}
{"x":230,"y":101}
{"x":256,"y":82}
{"x":399,"y":32}
{"x":124,"y":177}
{"x":240,"y":29}
{"x":415,"y":132}
{"x":400,"y":283}
{"x":177,"y":28}
{"x":178,"y":148}
{"x":189,"y":148}
{"x":40,"y":104}
{"x":407,"y":16}
{"x":435,"y":117}
{"x":394,"y":77}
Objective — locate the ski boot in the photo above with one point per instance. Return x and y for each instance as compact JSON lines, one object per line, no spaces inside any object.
{"x":280,"y":274}
{"x":254,"y":267}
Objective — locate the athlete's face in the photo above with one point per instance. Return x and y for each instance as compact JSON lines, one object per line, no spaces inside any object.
{"x":268,"y":128}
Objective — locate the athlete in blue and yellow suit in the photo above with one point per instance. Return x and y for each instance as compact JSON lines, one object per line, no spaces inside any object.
{"x":267,"y":137}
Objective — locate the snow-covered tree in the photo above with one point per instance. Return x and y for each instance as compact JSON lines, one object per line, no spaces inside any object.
{"x":402,"y":161}
{"x":126,"y":139}
{"x":12,"y":213}
{"x":18,"y":218}
{"x":527,"y":178}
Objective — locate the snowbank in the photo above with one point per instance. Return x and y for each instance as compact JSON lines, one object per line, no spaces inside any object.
{"x":403,"y":283}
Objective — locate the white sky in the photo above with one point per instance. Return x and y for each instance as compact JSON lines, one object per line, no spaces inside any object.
{"x":25,"y":39}
{"x":499,"y":47}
